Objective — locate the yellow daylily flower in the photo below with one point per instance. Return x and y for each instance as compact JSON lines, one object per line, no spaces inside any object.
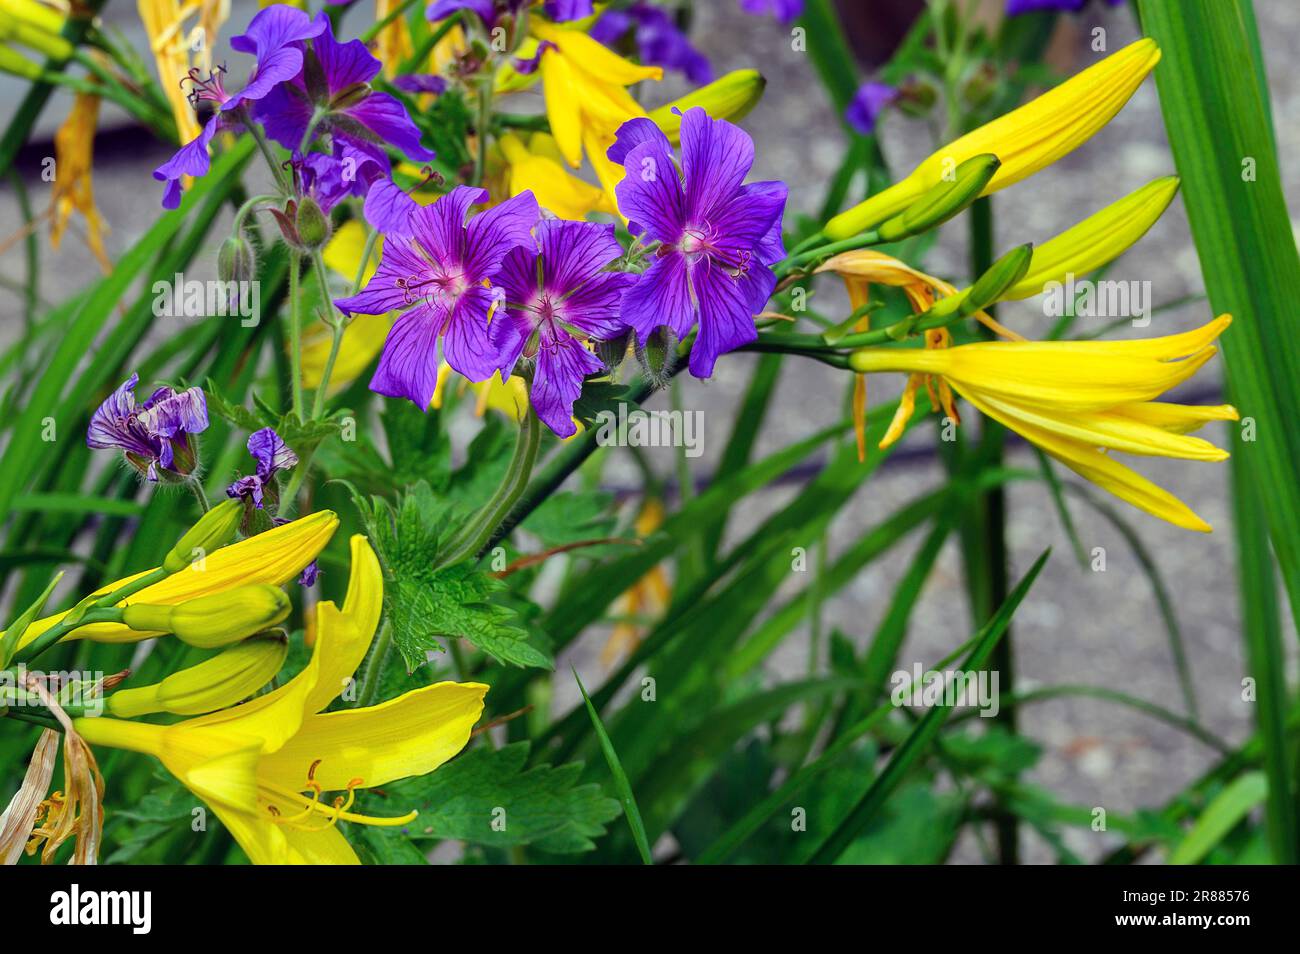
{"x":586,"y":97}
{"x":73,"y":190}
{"x":393,"y":44}
{"x":177,"y":50}
{"x":1078,"y":400}
{"x":508,"y":398}
{"x":860,"y":269}
{"x":265,"y":765}
{"x":538,"y":166}
{"x":1026,"y":139}
{"x":274,"y":557}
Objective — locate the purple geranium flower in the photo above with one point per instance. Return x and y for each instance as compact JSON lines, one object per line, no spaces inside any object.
{"x":787,"y":11}
{"x":557,"y":296}
{"x":421,"y":83}
{"x":1017,"y":7}
{"x":441,"y":269}
{"x":718,"y":237}
{"x":274,"y":36}
{"x":336,"y":80}
{"x":272,"y":454}
{"x":154,"y":435}
{"x":659,"y":41}
{"x":348,"y":171}
{"x":867,"y":104}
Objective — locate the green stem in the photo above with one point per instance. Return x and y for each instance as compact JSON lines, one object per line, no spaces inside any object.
{"x":822,"y":252}
{"x":295,"y":332}
{"x":479,"y":532}
{"x":388,"y":18}
{"x":61,"y":629}
{"x":248,"y":208}
{"x":371,"y":678}
{"x":337,"y":323}
{"x":417,"y":58}
{"x":481,"y":129}
{"x":269,"y":155}
{"x":371,"y":240}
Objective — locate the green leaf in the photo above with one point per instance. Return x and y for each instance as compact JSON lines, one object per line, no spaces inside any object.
{"x":1221,"y":816}
{"x":919,"y":740}
{"x":571,"y":517}
{"x":630,"y":810}
{"x":539,"y":806}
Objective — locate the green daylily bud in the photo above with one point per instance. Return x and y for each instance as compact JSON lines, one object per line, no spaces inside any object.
{"x":225,"y":679}
{"x":215,"y":620}
{"x":33,"y":36}
{"x":730,"y":97}
{"x":213,"y":530}
{"x":943,"y":201}
{"x":17,"y":64}
{"x":310,"y":223}
{"x":1001,"y":276}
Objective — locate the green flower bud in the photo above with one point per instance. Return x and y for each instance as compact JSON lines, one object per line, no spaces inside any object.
{"x":17,"y":64}
{"x":34,"y":36}
{"x":217,"y":619}
{"x":944,"y":201}
{"x":611,"y":353}
{"x":311,"y":224}
{"x":658,"y":356}
{"x":730,"y":97}
{"x":225,"y":679}
{"x":1000,"y":277}
{"x":213,"y":530}
{"x":236,"y":261}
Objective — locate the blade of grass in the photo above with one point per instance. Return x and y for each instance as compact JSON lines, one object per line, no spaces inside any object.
{"x":625,"y":796}
{"x":920,"y":739}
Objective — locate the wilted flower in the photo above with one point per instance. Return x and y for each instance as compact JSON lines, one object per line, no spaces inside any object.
{"x":718,"y":237}
{"x":272,"y":455}
{"x":154,"y":435}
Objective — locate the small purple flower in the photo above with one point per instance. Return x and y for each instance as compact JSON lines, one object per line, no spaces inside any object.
{"x":274,"y":36}
{"x":335,"y":79}
{"x":348,"y":171}
{"x":486,"y":10}
{"x":557,"y":296}
{"x":309,"y":574}
{"x":421,"y":83}
{"x":786,"y":11}
{"x":718,"y":238}
{"x":1017,"y":7}
{"x":867,"y":104}
{"x":562,"y":10}
{"x":154,"y":435}
{"x":659,"y":41}
{"x":439,"y":272}
{"x":271,"y":454}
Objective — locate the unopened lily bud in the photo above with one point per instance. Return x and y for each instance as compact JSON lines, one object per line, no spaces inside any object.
{"x":731,"y":97}
{"x":944,"y":201}
{"x":310,"y":223}
{"x":17,"y":64}
{"x":1001,"y":276}
{"x":225,"y":679}
{"x":213,"y":530}
{"x":36,"y":14}
{"x":218,"y":619}
{"x":236,"y":261}
{"x":33,"y":35}
{"x":658,"y":356}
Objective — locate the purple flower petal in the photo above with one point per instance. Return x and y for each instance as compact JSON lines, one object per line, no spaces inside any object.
{"x":562,"y":365}
{"x":271,"y":452}
{"x":727,"y":308}
{"x":421,"y":83}
{"x":786,"y":11}
{"x":466,"y":345}
{"x":493,"y":233}
{"x":867,"y":104}
{"x":562,"y":10}
{"x":190,"y":160}
{"x":386,"y":289}
{"x":650,"y":194}
{"x":633,"y":133}
{"x":573,"y":252}
{"x":408,"y":366}
{"x":389,"y":209}
{"x":388,"y":119}
{"x":660,"y":297}
{"x":716,"y":157}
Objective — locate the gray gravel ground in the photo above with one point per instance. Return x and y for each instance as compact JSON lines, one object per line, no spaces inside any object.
{"x":1100,"y":628}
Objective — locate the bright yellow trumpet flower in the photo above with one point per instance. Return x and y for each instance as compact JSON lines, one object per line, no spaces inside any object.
{"x":264,"y":766}
{"x":274,"y":557}
{"x":1025,"y":140}
{"x":586,"y":96}
{"x":1077,"y":400}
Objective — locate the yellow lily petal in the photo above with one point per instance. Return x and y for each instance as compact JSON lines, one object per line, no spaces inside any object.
{"x":1106,"y":472}
{"x":1096,"y":240}
{"x":562,"y":109}
{"x":555,"y":188}
{"x":1026,"y":139}
{"x":1179,"y":418}
{"x":410,"y":735}
{"x":593,"y":58}
{"x":275,"y":557}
